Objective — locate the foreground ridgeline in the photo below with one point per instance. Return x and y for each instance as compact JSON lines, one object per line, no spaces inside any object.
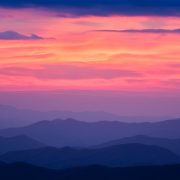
{"x":22,"y":171}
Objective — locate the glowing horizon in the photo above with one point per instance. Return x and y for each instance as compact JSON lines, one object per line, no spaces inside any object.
{"x":89,"y":52}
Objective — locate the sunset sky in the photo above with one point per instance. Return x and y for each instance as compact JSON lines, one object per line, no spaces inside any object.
{"x":115,"y":46}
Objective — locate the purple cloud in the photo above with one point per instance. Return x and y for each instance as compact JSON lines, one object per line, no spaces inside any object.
{"x":12,"y":35}
{"x":155,"y":31}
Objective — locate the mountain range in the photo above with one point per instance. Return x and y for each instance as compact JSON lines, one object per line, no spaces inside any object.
{"x":115,"y":156}
{"x":69,"y":143}
{"x":13,"y":117}
{"x":70,"y":132}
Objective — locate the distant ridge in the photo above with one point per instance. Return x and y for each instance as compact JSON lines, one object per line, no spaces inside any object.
{"x":14,"y":117}
{"x":76,"y":133}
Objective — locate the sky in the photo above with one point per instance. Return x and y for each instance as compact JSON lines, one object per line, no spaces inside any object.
{"x":120,"y":56}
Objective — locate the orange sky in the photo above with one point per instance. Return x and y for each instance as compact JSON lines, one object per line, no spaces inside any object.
{"x":75,"y":55}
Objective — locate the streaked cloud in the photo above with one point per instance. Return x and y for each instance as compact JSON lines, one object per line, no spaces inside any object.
{"x":12,"y":35}
{"x":71,"y":71}
{"x":156,"y":31}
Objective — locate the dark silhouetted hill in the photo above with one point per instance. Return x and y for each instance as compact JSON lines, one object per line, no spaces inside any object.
{"x":21,"y":171}
{"x":121,"y":155}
